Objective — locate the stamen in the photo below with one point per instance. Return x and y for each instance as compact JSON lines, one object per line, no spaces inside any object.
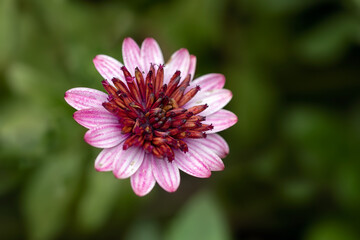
{"x":175,"y":79}
{"x":120,"y":86}
{"x":198,"y":109}
{"x":110,"y":89}
{"x":159,"y":79}
{"x":189,"y":95}
{"x":140,"y":82}
{"x":175,"y":112}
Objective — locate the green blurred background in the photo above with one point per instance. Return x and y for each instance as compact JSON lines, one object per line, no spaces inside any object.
{"x":293,"y":169}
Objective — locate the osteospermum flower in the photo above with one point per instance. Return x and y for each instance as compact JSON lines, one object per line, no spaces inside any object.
{"x":154,"y":119}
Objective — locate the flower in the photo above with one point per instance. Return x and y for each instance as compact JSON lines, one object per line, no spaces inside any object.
{"x":155,"y":119}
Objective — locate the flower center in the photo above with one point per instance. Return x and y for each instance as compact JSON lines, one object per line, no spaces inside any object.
{"x":152,"y":113}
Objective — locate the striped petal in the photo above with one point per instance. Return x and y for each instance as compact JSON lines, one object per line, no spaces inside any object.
{"x":180,"y":60}
{"x":95,"y":117}
{"x":216,"y":100}
{"x":151,"y":53}
{"x":105,"y":159}
{"x":211,"y":159}
{"x":128,"y":162}
{"x":192,"y":66}
{"x":83,"y":98}
{"x":192,"y":164}
{"x":209,"y":82}
{"x":142,"y":181}
{"x":166,"y":174}
{"x":108,"y":67}
{"x":215,"y":143}
{"x":106,"y":136}
{"x":221,"y":120}
{"x":131,"y":55}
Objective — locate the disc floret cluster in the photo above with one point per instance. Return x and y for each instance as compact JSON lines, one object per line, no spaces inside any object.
{"x":152,"y":113}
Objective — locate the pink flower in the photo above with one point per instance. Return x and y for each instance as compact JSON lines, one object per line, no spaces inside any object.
{"x":154,"y":119}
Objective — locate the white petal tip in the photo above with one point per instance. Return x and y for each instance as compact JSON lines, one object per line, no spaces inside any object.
{"x":98,"y":58}
{"x":171,"y":189}
{"x":128,"y":39}
{"x":222,"y":168}
{"x":117,"y":176}
{"x":149,"y":39}
{"x":102,"y":169}
{"x":140,"y":194}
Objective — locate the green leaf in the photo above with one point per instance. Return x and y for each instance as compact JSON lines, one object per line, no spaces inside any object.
{"x":256,"y":100}
{"x":8,"y":30}
{"x":329,"y":40}
{"x":99,"y":200}
{"x":318,"y":136}
{"x":23,"y":134}
{"x":34,"y":84}
{"x":276,"y":7}
{"x":48,"y":195}
{"x":298,"y":191}
{"x":201,"y":218}
{"x":347,"y":185}
{"x":331,"y":230}
{"x":144,"y":230}
{"x":199,"y":19}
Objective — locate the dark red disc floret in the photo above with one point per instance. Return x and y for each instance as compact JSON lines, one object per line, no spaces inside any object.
{"x":153,"y":113}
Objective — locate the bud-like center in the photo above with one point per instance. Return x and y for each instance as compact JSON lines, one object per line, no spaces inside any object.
{"x":152,"y":113}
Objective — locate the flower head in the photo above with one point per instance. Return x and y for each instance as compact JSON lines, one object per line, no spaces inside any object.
{"x":154,"y":119}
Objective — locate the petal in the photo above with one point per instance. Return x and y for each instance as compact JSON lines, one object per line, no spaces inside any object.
{"x":131,"y":55}
{"x":192,"y":164}
{"x":209,"y":82}
{"x":211,"y":159}
{"x":83,"y":98}
{"x":151,"y":53}
{"x":106,"y":136}
{"x":108,"y":67}
{"x":94,"y":117}
{"x":128,"y":162}
{"x":166,"y":174}
{"x":192,"y":66}
{"x":142,"y":181}
{"x":221,"y":120}
{"x":216,"y":99}
{"x":215,"y":143}
{"x":105,"y":159}
{"x":180,"y":60}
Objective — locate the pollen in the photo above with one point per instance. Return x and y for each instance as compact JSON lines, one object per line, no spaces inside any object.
{"x":153,"y":113}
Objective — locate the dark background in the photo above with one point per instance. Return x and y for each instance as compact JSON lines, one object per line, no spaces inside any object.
{"x":293,"y":168}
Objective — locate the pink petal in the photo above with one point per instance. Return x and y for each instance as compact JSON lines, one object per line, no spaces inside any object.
{"x":211,"y":159}
{"x":215,"y":143}
{"x":83,"y":98}
{"x":106,"y":136}
{"x":105,"y":159}
{"x":131,"y":55}
{"x":209,"y":82}
{"x":180,"y":60}
{"x":221,"y":120}
{"x":95,"y":117}
{"x":128,"y":162}
{"x":142,"y":181}
{"x":108,"y":67}
{"x":151,"y":53}
{"x":192,"y":66}
{"x":216,"y":100}
{"x":166,"y":174}
{"x":192,"y":164}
